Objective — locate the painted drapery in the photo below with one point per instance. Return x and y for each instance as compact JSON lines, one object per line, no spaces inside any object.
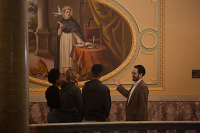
{"x":116,"y":33}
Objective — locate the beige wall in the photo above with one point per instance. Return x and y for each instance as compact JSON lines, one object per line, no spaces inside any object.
{"x":182,"y":30}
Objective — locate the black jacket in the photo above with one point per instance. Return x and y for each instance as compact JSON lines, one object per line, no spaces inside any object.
{"x":70,"y":98}
{"x":52,"y":96}
{"x":96,"y":101}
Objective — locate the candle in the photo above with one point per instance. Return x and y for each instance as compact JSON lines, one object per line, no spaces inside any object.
{"x":93,"y":38}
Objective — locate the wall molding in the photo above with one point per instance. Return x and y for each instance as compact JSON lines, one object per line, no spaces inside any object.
{"x":111,"y":89}
{"x":162,"y":46}
{"x":143,"y":37}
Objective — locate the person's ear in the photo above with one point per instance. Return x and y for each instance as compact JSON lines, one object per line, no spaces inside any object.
{"x":140,"y":75}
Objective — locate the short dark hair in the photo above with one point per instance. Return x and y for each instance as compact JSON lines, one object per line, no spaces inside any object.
{"x":141,"y":69}
{"x":97,"y":70}
{"x":53,"y":75}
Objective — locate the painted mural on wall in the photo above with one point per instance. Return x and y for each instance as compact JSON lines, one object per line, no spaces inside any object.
{"x":75,"y":34}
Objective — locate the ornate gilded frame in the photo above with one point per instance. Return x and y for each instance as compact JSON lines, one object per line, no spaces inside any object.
{"x":131,"y":54}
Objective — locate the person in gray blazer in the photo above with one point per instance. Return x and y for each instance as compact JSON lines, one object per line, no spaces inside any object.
{"x":137,"y":96}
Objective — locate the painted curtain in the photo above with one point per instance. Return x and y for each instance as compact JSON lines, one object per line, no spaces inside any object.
{"x":116,"y":33}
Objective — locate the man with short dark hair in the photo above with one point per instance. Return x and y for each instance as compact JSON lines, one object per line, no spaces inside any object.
{"x":96,"y":97}
{"x":137,"y":96}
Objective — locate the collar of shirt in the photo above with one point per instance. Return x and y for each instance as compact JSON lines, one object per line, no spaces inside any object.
{"x":137,"y":82}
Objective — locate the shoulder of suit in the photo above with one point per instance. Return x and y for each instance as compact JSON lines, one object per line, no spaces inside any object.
{"x":142,"y":83}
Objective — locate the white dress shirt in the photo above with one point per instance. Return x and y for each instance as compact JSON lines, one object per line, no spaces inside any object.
{"x":133,"y":88}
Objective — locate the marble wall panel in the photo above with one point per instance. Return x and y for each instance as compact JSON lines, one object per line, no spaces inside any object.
{"x":158,"y":111}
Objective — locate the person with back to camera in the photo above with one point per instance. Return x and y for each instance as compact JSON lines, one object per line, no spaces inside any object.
{"x":70,"y":98}
{"x":96,"y":97}
{"x":52,"y":96}
{"x":137,"y":96}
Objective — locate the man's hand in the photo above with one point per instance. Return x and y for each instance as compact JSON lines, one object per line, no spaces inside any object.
{"x":117,"y":82}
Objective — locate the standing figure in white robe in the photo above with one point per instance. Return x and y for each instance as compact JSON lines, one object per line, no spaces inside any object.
{"x":68,"y":34}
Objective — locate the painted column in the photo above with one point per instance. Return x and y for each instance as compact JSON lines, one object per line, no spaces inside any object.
{"x":41,"y":31}
{"x":13,"y":67}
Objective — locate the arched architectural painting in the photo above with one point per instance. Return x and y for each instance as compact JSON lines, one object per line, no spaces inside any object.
{"x":111,"y":36}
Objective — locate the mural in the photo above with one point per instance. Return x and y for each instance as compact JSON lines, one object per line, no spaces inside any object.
{"x":76,"y":34}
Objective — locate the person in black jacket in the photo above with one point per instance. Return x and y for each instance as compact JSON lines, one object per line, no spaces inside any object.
{"x":96,"y":97}
{"x":52,"y":96}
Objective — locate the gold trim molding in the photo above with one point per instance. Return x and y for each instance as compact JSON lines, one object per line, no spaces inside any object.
{"x":162,"y":46}
{"x":39,"y":81}
{"x":111,"y":89}
{"x":37,"y":89}
{"x":153,"y":35}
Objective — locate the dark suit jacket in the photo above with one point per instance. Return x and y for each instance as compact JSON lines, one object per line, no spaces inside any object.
{"x":136,"y":110}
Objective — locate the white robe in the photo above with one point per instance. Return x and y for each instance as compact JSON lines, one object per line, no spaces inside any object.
{"x":67,"y":40}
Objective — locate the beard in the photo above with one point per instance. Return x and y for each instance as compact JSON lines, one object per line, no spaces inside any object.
{"x":135,"y":78}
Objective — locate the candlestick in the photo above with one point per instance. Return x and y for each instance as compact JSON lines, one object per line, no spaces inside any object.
{"x":93,"y":38}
